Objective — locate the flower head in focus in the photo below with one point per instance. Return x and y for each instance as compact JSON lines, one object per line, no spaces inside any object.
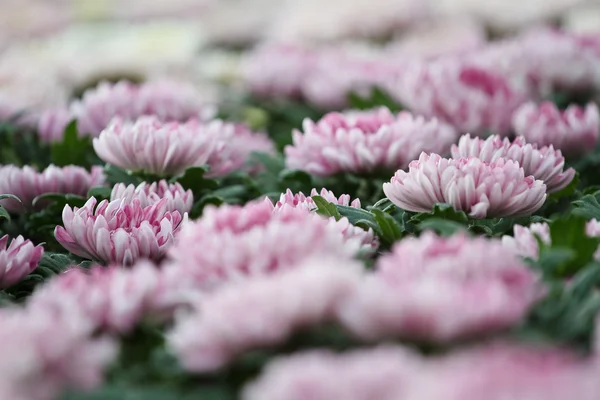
{"x":575,"y":131}
{"x":497,"y":189}
{"x":234,"y":243}
{"x":363,"y":142}
{"x":119,"y":232}
{"x":178,"y":199}
{"x":26,"y":183}
{"x":545,"y":164}
{"x":440,"y":289}
{"x":470,"y":98}
{"x":17,"y":260}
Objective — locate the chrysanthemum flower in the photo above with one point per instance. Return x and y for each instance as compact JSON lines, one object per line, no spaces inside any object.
{"x":545,"y":164}
{"x":154,"y":147}
{"x":575,"y":131}
{"x":178,"y":199}
{"x":26,"y":183}
{"x":17,"y":260}
{"x":224,"y":326}
{"x":470,"y":98}
{"x":524,"y":240}
{"x":52,"y":123}
{"x":365,"y":142}
{"x":46,"y":351}
{"x":299,"y":200}
{"x":325,"y":375}
{"x":497,"y":189}
{"x":232,"y":242}
{"x":440,"y":289}
{"x":167,"y":100}
{"x":119,"y":232}
{"x":114,"y":299}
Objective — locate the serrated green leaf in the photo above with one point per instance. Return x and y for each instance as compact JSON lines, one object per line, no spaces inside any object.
{"x":588,"y":206}
{"x":326,"y":208}
{"x":390,"y":228}
{"x":116,"y":175}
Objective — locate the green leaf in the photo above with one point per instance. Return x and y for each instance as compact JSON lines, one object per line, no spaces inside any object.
{"x":55,"y":262}
{"x":99,"y":192}
{"x":194,"y":180}
{"x":59,"y":199}
{"x":442,"y":211}
{"x":442,"y":227}
{"x":391,"y":231}
{"x":116,"y":175}
{"x":326,"y":208}
{"x":4,"y":214}
{"x":295,"y":180}
{"x":377,"y":98}
{"x":588,"y":206}
{"x":10,"y":196}
{"x":73,"y":150}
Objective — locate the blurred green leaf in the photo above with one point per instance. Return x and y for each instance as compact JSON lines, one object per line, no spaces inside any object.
{"x":100,"y":192}
{"x":73,"y":150}
{"x":326,"y":208}
{"x":588,"y":206}
{"x":442,"y":227}
{"x":116,"y":175}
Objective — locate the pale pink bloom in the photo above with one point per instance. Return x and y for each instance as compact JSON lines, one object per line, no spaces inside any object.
{"x":47,"y":350}
{"x":114,"y":299}
{"x":524,"y":241}
{"x":119,"y":232}
{"x":235,"y":144}
{"x":440,"y":289}
{"x":233,"y":243}
{"x":497,"y":189}
{"x":178,"y":199}
{"x":545,"y":164}
{"x":383,"y":373}
{"x":501,"y":371}
{"x":167,"y":100}
{"x":155,"y":147}
{"x":52,"y":123}
{"x":575,"y":131}
{"x":26,"y":183}
{"x":261,"y":312}
{"x":471,"y":98}
{"x":365,"y":142}
{"x":17,"y":259}
{"x":349,"y":231}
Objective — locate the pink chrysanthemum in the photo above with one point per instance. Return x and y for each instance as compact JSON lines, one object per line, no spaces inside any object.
{"x":154,"y":147}
{"x":52,"y":123}
{"x":575,"y":131}
{"x":166,"y":100}
{"x":325,"y":375}
{"x":233,"y":242}
{"x":17,"y":260}
{"x":26,"y":183}
{"x":365,"y":141}
{"x":472,"y":99}
{"x":299,"y":200}
{"x":440,"y":289}
{"x":45,"y":351}
{"x":497,"y":189}
{"x":119,"y":232}
{"x":235,"y":145}
{"x":545,"y":164}
{"x":178,"y":199}
{"x":114,"y":299}
{"x":224,"y":326}
{"x":524,"y":240}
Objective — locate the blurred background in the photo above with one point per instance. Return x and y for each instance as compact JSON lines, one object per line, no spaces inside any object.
{"x":51,"y":50}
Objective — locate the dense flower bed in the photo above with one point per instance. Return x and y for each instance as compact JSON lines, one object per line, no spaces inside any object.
{"x":343,"y":221}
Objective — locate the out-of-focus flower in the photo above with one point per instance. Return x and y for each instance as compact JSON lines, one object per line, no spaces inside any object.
{"x":471,"y":98}
{"x":45,"y":351}
{"x":52,"y":123}
{"x":112,"y":298}
{"x":26,"y":183}
{"x":524,"y":240}
{"x":178,"y":199}
{"x":440,"y":289}
{"x":365,"y":142}
{"x":166,"y":100}
{"x":497,"y":189}
{"x":235,"y":144}
{"x":545,"y":164}
{"x":575,"y":131}
{"x":154,"y":147}
{"x":119,"y":232}
{"x":232,"y":242}
{"x":299,"y":200}
{"x":325,"y":375}
{"x":17,"y":260}
{"x":260,"y":312}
